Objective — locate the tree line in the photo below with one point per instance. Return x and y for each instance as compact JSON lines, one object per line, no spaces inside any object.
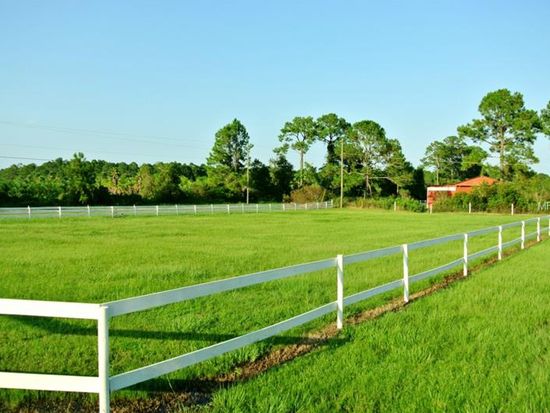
{"x":360,"y":161}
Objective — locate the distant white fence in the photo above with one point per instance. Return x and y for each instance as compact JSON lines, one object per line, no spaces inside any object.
{"x":155,"y":210}
{"x":104,"y":384}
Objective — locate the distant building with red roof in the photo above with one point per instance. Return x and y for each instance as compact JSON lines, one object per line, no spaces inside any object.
{"x":450,"y":190}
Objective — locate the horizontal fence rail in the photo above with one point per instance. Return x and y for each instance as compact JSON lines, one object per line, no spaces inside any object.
{"x":104,"y":384}
{"x":156,"y":210}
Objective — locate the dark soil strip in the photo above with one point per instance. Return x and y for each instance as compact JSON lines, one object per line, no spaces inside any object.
{"x":196,"y":394}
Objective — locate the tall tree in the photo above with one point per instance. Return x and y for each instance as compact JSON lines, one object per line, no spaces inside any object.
{"x":331,"y":129}
{"x":281,"y":173}
{"x":545,"y":120}
{"x":451,"y":159}
{"x":507,"y":127}
{"x":398,"y":170}
{"x":231,"y":147}
{"x":299,"y":134}
{"x":368,"y":149}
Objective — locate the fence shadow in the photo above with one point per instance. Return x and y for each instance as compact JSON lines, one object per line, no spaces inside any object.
{"x":58,"y":326}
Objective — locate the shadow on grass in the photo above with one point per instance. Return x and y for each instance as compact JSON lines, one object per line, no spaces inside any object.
{"x":59,"y":326}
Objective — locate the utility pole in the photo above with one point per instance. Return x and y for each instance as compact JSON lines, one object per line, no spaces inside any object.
{"x":341,"y":172}
{"x":248,"y":149}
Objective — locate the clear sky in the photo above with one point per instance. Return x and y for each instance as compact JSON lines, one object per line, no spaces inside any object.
{"x":153,"y":81}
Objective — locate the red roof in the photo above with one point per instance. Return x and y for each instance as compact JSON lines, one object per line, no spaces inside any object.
{"x":480,"y":180}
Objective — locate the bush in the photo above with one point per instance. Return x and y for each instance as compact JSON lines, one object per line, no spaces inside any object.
{"x":308,"y":193}
{"x":403,"y":204}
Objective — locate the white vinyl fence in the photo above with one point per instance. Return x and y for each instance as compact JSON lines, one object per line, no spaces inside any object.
{"x":104,"y":383}
{"x":155,"y":210}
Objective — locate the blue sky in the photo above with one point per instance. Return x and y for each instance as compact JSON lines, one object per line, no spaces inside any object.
{"x":153,"y":81}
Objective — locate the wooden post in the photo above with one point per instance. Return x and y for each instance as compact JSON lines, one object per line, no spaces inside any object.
{"x":112,"y":211}
{"x":195,"y":209}
{"x":177,"y":210}
{"x":135,"y":210}
{"x":89,"y":211}
{"x":228,"y":209}
{"x":59,"y":212}
{"x":512,"y":209}
{"x":29,"y":211}
{"x":469,"y":207}
{"x":339,"y":292}
{"x":157,"y":209}
{"x":405,"y":248}
{"x":538,"y":229}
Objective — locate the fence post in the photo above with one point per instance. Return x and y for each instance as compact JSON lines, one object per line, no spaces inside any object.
{"x":284,"y":207}
{"x":29,"y":211}
{"x":431,"y":208}
{"x":306,"y":205}
{"x":228,"y":209}
{"x":135,"y":210}
{"x":549,"y":226}
{"x":512,"y":209}
{"x":538,"y":229}
{"x":522,"y":234}
{"x":242,"y":208}
{"x":257,"y":208}
{"x":394,"y":206}
{"x":103,"y":359}
{"x":195,"y":209}
{"x":339,"y":292}
{"x":157,"y":210}
{"x":500,"y":242}
{"x":317,"y":205}
{"x":405,"y":248}
{"x":469,"y":207}
{"x":112,"y":211}
{"x":465,"y":259}
{"x":177,"y":210}
{"x":59,"y":212}
{"x":212,"y":208}
{"x":89,"y":211}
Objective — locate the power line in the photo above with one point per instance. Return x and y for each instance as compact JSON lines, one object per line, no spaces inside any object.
{"x":23,"y":158}
{"x":122,"y":136}
{"x":73,"y":151}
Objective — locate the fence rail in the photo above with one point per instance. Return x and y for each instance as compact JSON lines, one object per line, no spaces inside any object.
{"x":104,"y":384}
{"x":155,"y":210}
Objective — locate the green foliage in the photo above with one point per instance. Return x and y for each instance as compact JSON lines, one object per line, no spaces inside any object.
{"x":452,"y":160}
{"x":231,"y":148}
{"x":308,"y":193}
{"x":507,"y":128}
{"x":527,"y":194}
{"x":299,"y":134}
{"x":545,"y":120}
{"x":330,"y":129}
{"x":403,"y":204}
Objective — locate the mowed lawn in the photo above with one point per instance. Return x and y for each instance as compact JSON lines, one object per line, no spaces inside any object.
{"x":481,"y":345}
{"x":102,"y":259}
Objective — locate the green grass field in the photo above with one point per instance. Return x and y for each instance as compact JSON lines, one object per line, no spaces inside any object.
{"x":482,"y":345}
{"x":103,"y":259}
